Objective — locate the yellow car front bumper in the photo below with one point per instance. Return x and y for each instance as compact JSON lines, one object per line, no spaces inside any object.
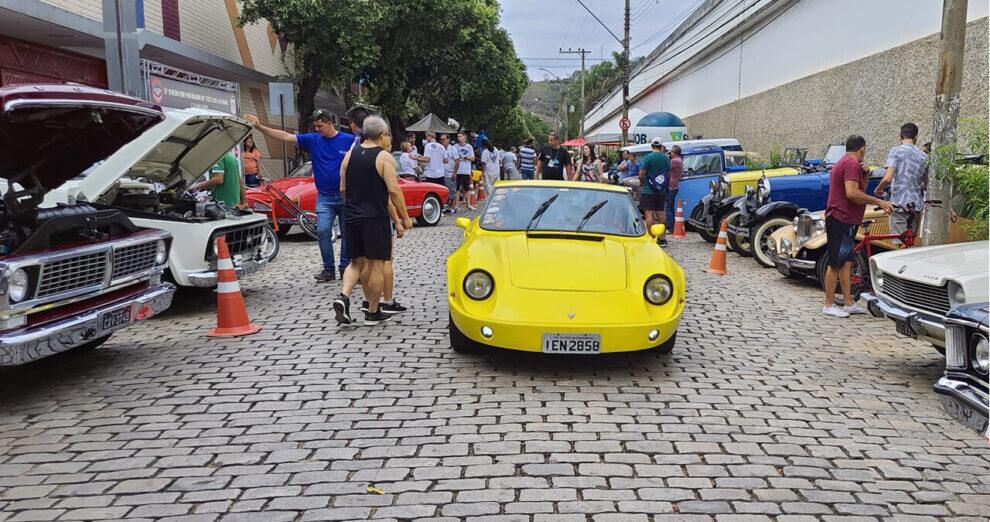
{"x":528,"y":336}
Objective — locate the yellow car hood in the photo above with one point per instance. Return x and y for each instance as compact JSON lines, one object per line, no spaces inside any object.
{"x":542,"y":263}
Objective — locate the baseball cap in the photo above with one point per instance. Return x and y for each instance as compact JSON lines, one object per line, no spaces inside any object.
{"x":656,"y":141}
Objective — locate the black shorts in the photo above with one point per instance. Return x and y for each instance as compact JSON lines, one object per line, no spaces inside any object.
{"x":841,"y":240}
{"x":651,"y":202}
{"x":464,"y":182}
{"x":369,"y":239}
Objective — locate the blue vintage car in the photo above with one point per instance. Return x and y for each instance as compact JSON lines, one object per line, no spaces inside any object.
{"x":963,"y":387}
{"x":775,"y":202}
{"x":704,"y":162}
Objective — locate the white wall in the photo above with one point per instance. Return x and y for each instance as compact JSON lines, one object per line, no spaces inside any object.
{"x":808,"y":37}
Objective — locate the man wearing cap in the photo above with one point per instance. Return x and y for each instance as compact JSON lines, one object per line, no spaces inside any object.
{"x":653,"y":170}
{"x":326,"y":147}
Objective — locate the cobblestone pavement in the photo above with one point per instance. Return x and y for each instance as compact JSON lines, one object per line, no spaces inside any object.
{"x":765,"y":410}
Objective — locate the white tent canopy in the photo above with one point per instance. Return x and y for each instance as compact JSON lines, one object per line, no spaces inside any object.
{"x":431,"y":123}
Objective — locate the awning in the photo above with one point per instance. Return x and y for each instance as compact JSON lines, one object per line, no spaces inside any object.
{"x":431,"y":123}
{"x":576,"y":142}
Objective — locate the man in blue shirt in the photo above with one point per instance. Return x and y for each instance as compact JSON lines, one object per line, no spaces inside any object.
{"x":326,"y":147}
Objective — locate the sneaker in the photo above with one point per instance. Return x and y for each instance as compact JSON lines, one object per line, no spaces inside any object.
{"x":364,"y":306}
{"x":854,"y":309}
{"x":325,"y":276}
{"x":342,"y":309}
{"x":371,"y":319}
{"x":448,"y":211}
{"x":662,"y":241}
{"x":392,"y":308}
{"x":834,"y":311}
{"x":472,"y":208}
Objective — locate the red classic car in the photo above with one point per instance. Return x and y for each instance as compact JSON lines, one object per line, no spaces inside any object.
{"x":292,"y":201}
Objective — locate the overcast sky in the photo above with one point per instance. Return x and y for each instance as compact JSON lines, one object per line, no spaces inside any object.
{"x":539,"y":28}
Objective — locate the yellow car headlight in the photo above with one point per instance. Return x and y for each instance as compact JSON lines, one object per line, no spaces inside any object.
{"x":479,"y":285}
{"x":658,"y":290}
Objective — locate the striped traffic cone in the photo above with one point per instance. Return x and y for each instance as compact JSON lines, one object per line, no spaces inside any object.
{"x":717,"y":265}
{"x":679,"y":221}
{"x":232,"y":316}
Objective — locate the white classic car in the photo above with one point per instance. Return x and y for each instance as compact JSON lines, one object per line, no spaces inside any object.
{"x":916,"y":287}
{"x":147,"y":179}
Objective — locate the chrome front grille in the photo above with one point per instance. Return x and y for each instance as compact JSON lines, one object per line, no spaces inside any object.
{"x":805,"y":225}
{"x":930,"y":298}
{"x":134,"y":259}
{"x":72,"y":273}
{"x":244,"y":240}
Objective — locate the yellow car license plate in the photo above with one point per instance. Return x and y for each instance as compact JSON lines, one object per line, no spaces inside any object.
{"x":572,"y":343}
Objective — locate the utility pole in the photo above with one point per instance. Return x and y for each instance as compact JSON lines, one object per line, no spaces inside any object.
{"x":948,"y":83}
{"x":625,"y":77}
{"x":583,"y":52}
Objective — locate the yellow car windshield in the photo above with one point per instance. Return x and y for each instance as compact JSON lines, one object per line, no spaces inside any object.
{"x":572,"y":210}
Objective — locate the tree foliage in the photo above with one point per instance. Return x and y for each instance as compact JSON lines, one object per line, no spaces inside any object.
{"x":602,"y":78}
{"x":451,"y":58}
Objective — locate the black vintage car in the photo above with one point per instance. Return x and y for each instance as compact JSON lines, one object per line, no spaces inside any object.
{"x":963,"y":388}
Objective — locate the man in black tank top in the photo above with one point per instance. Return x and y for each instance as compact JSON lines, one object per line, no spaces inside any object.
{"x":368,"y":183}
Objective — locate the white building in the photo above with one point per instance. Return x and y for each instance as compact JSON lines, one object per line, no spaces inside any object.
{"x":777,"y":73}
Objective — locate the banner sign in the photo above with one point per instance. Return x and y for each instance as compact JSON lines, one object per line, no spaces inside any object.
{"x":181,"y":95}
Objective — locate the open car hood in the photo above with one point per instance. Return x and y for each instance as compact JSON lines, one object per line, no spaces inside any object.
{"x":174,"y":152}
{"x":52,"y":133}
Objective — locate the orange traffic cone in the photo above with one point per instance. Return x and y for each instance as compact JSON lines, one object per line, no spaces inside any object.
{"x":679,"y":221}
{"x":717,"y":266}
{"x":232,"y":316}
{"x":472,"y":199}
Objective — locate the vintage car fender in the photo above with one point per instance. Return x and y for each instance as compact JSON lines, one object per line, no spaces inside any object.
{"x":785,"y":208}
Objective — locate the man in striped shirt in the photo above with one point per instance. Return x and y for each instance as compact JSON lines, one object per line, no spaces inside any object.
{"x":527,"y":159}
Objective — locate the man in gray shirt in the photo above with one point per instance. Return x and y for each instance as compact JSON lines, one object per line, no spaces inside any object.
{"x":907,"y":178}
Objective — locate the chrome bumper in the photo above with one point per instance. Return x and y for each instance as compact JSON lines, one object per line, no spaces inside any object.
{"x":925,"y":327}
{"x":209,"y":278}
{"x":797,"y":264}
{"x":32,"y":343}
{"x":966,"y":403}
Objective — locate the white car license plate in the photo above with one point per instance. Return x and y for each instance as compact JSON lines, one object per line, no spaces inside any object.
{"x":114,"y":318}
{"x":572,"y":343}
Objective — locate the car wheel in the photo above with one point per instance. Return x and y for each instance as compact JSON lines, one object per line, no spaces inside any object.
{"x":307,"y":222}
{"x":283,"y":231}
{"x":705,"y":234}
{"x":458,"y":341}
{"x":432,"y":211}
{"x":761,"y":239}
{"x":270,"y":245}
{"x":668,"y":345}
{"x":737,"y":244}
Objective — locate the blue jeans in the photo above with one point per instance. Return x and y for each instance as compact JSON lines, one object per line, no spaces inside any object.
{"x":328,"y":208}
{"x":670,"y":206}
{"x":526,"y":173}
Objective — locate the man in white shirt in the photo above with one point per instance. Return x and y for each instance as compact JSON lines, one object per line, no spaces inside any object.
{"x":448,"y":171}
{"x":436,"y":155}
{"x":464,"y":157}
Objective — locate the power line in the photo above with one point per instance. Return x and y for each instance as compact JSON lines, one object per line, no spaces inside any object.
{"x":677,"y":20}
{"x":600,"y":22}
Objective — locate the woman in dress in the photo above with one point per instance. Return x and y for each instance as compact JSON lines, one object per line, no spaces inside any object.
{"x":590,"y":167}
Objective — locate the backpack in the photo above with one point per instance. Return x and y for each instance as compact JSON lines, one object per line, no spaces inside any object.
{"x":658,"y":182}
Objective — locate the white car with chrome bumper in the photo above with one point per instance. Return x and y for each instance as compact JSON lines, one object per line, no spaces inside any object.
{"x":916,"y":287}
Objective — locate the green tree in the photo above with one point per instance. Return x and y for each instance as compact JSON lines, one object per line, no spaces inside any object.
{"x":538,"y":128}
{"x":330,"y":40}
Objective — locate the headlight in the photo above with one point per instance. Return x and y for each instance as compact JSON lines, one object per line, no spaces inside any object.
{"x":261,"y":207}
{"x":763,"y":189}
{"x":981,"y":354}
{"x":956,"y":294}
{"x":749,"y":190}
{"x":161,"y":252}
{"x":785,"y":246}
{"x":17,"y":286}
{"x":658,"y":290}
{"x":877,"y":275}
{"x":819,"y":227}
{"x":478,"y":285}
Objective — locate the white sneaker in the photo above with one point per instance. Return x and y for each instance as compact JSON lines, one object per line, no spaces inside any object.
{"x":472,"y":208}
{"x":854,"y":309}
{"x":834,"y":311}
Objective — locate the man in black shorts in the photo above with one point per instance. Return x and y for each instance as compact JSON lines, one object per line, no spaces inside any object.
{"x":368,"y":183}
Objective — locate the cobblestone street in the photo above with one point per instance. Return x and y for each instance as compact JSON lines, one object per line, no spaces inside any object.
{"x":765,"y":410}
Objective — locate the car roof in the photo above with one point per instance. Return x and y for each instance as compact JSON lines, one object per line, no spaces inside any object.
{"x":562,"y":184}
{"x":686,"y":145}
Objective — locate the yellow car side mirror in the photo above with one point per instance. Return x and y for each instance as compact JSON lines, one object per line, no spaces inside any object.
{"x":657,"y":230}
{"x":462,"y":222}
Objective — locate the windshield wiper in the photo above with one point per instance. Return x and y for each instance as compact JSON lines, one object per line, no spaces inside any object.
{"x":584,"y":221}
{"x":539,"y":212}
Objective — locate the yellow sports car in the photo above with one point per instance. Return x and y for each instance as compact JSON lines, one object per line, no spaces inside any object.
{"x":565,"y":268}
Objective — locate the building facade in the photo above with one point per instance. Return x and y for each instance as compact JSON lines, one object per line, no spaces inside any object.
{"x":63,"y":41}
{"x":779,"y":73}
